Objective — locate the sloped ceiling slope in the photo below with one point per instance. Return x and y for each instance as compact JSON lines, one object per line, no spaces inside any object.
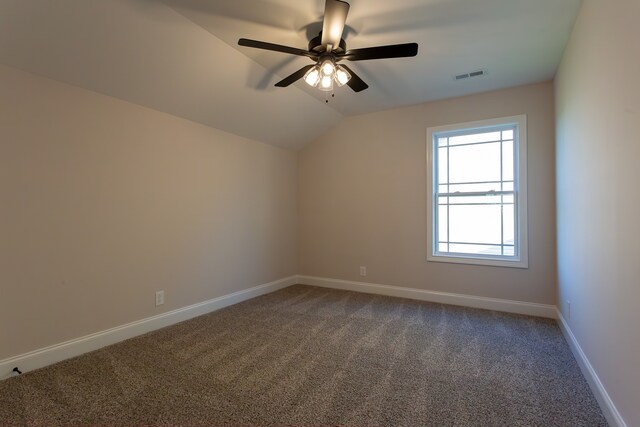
{"x":181,"y":56}
{"x":146,"y":53}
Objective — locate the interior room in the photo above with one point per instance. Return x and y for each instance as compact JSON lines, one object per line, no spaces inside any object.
{"x":319,"y":212}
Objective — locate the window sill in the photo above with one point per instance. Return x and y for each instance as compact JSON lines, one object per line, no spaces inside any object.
{"x":478,"y":261}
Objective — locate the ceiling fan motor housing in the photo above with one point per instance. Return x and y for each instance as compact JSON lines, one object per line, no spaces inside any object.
{"x":315,"y":45}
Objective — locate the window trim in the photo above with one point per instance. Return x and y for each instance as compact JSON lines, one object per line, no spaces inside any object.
{"x":520,"y":178}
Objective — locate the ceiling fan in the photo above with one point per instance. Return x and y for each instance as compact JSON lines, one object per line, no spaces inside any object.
{"x":328,"y":49}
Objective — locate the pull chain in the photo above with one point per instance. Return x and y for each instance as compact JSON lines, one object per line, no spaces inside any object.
{"x":333,"y":95}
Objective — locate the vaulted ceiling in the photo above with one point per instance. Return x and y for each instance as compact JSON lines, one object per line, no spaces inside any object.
{"x":181,"y":56}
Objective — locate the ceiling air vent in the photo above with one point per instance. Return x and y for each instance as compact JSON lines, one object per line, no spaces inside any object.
{"x":465,"y":76}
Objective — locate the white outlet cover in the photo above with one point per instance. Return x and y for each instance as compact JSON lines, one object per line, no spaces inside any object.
{"x":159,"y":298}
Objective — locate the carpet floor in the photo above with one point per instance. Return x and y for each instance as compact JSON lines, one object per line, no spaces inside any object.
{"x":309,"y":356}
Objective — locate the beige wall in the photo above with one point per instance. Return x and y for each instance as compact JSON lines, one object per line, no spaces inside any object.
{"x":598,"y":158}
{"x":362,"y":199}
{"x":103,"y":202}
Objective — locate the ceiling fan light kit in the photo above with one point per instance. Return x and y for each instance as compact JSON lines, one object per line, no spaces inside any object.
{"x":324,"y":76}
{"x":328,"y":49}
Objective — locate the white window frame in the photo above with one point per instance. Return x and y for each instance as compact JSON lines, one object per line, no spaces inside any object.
{"x":521,"y":258}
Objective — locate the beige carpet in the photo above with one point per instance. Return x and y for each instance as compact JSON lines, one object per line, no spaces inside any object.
{"x":313,"y":356}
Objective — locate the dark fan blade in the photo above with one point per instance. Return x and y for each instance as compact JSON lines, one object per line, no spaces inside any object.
{"x":355,"y":83}
{"x":295,"y":76}
{"x":276,"y":47}
{"x":335,"y":16}
{"x":381,"y":52}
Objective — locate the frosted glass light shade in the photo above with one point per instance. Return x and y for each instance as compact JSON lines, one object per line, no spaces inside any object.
{"x":328,"y":68}
{"x":326,"y":83}
{"x":312,"y":78}
{"x":342,"y":76}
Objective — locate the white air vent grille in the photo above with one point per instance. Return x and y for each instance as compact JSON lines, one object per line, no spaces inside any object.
{"x":471,"y":74}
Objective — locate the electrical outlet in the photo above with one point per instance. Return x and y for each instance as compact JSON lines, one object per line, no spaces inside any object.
{"x":363,"y":271}
{"x":568,"y":310}
{"x":159,"y":298}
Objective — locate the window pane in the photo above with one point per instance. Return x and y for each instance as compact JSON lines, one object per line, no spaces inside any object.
{"x":508,"y":227}
{"x":507,"y":186}
{"x":442,"y":142}
{"x":476,"y":200}
{"x":507,"y":134}
{"x":443,"y":247}
{"x":473,"y":163}
{"x":474,"y":138}
{"x":443,"y":200}
{"x":475,"y":249}
{"x":442,"y":224}
{"x":464,"y":188}
{"x":507,"y":161}
{"x":509,"y":251}
{"x":475,"y":224}
{"x":442,"y":165}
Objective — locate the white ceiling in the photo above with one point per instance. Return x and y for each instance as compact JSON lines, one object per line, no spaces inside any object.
{"x":181,"y":56}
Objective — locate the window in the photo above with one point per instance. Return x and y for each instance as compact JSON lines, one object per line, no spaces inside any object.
{"x":477,"y":206}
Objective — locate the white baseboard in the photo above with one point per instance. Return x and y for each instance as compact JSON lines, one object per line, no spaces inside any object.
{"x":606,"y":404}
{"x":75,"y":347}
{"x":520,"y":307}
